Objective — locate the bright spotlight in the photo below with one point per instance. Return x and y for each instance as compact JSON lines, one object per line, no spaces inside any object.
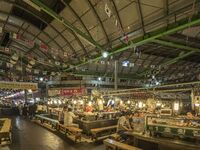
{"x":41,"y":79}
{"x":105,"y":54}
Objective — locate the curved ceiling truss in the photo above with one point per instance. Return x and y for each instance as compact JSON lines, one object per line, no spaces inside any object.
{"x":133,"y":19}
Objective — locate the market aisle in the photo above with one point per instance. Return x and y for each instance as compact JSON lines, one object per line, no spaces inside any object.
{"x":29,"y":136}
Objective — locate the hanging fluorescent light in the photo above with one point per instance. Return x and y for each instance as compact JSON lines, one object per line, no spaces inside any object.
{"x":125,"y":63}
{"x":176,"y":106}
{"x":59,"y":102}
{"x":105,"y":54}
{"x":121,"y":102}
{"x":75,"y":102}
{"x":157,"y":83}
{"x":81,"y":102}
{"x":30,"y":91}
{"x":90,"y":103}
{"x":41,"y":78}
{"x":140,"y":104}
{"x":158,"y":103}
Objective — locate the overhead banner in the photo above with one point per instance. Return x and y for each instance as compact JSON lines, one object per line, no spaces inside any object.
{"x":18,"y":85}
{"x":69,"y":92}
{"x":66,"y":92}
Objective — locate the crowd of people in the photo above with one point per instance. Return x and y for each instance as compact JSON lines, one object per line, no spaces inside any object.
{"x":29,"y":110}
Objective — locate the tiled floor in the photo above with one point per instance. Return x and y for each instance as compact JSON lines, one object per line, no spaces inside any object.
{"x":29,"y":136}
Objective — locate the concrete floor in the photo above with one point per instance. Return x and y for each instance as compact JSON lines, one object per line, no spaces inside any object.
{"x":29,"y":136}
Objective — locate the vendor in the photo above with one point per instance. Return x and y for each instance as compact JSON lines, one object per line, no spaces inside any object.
{"x":123,"y":125}
{"x":68,"y":118}
{"x":190,"y":115}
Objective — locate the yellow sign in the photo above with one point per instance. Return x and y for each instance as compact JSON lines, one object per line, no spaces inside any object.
{"x":18,"y":85}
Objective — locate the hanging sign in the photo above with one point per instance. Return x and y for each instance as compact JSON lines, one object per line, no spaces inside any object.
{"x":70,"y":92}
{"x":66,"y":92}
{"x":18,"y":85}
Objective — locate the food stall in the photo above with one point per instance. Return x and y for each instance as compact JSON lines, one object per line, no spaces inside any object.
{"x":181,"y":127}
{"x":96,"y":120}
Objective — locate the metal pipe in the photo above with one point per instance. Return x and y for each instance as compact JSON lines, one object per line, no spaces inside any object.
{"x":162,"y":86}
{"x":176,"y":45}
{"x":129,"y":93}
{"x":116,"y":74}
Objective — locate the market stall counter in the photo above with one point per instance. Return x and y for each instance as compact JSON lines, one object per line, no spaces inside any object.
{"x":174,"y":127}
{"x":96,"y":120}
{"x":147,"y":142}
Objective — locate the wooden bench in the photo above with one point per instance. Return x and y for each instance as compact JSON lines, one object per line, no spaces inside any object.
{"x":50,"y":121}
{"x":114,"y":145}
{"x":97,"y":131}
{"x":5,"y":132}
{"x":71,"y":130}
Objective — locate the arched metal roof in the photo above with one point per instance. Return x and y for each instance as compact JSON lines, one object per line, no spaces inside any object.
{"x":156,"y":37}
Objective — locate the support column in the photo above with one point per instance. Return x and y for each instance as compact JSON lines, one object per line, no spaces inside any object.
{"x":116,"y":74}
{"x":192,"y":99}
{"x":25,"y":96}
{"x":47,"y":88}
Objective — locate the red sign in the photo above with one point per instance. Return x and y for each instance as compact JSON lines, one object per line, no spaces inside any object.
{"x":70,"y":92}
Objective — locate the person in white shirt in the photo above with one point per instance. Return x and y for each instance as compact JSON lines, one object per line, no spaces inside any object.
{"x":68,"y":118}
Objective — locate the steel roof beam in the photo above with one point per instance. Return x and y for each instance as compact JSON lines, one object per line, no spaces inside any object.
{"x":176,"y":45}
{"x":170,"y":29}
{"x":109,"y":75}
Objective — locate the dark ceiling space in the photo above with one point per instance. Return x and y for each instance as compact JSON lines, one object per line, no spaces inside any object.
{"x":55,"y":5}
